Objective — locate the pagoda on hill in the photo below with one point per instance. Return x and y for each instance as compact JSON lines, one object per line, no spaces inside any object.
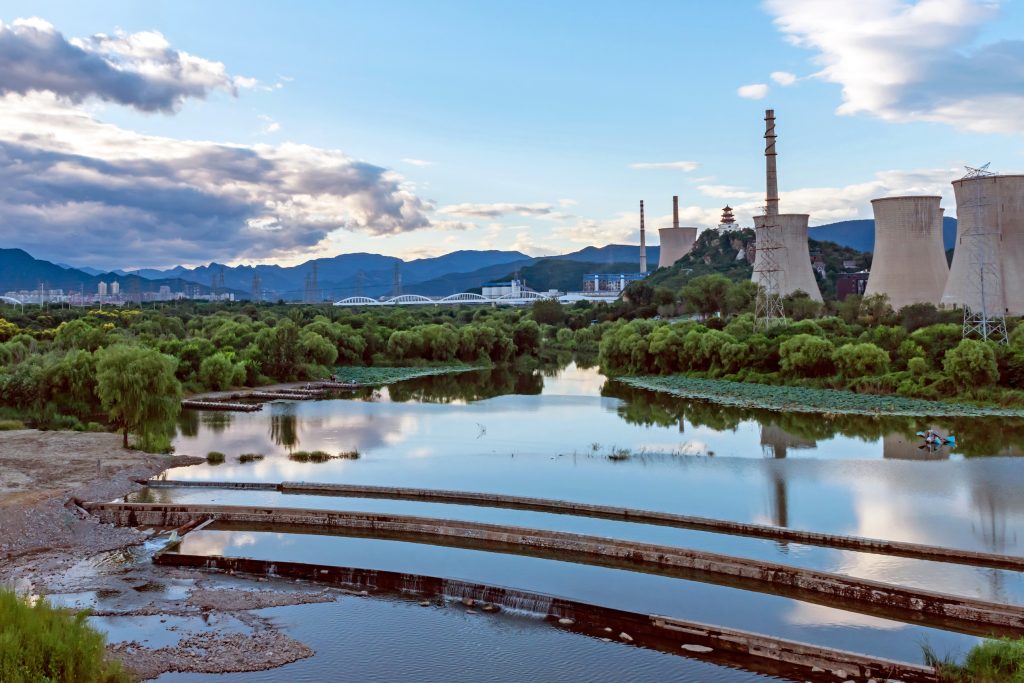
{"x":728,"y":221}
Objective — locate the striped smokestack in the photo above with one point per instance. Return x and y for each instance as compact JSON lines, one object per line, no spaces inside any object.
{"x":772,"y":205}
{"x":675,"y":211}
{"x":643,"y":241}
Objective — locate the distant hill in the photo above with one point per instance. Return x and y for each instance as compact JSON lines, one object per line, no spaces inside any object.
{"x":19,"y":270}
{"x":860,"y":234}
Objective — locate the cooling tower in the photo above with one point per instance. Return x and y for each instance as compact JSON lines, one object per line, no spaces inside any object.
{"x":793,"y":256}
{"x":1002,"y":213}
{"x":909,"y":263}
{"x":675,"y":244}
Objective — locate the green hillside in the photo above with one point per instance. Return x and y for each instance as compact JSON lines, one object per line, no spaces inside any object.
{"x":721,"y":253}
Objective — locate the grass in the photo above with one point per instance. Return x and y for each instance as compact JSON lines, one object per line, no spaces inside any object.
{"x":44,"y":643}
{"x":215,"y":457}
{"x":993,"y":661}
{"x":620,"y":454}
{"x":250,"y":457}
{"x":310,"y":456}
{"x":349,"y":455}
{"x":10,"y":425}
{"x":380,"y":375}
{"x":807,"y":399}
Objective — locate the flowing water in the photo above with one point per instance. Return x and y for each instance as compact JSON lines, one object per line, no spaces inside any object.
{"x":569,"y":433}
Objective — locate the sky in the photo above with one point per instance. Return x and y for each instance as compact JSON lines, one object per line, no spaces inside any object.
{"x":179,"y":133}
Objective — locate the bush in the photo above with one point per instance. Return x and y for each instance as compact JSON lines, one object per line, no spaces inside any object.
{"x":310,"y":456}
{"x":860,"y":360}
{"x":349,"y":455}
{"x":971,"y":364}
{"x":219,"y":372}
{"x":44,"y":643}
{"x":215,"y":457}
{"x":250,"y":457}
{"x":10,"y":425}
{"x":806,"y":356}
{"x":992,"y":661}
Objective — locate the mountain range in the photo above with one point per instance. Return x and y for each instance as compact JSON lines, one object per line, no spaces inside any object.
{"x":374,"y":275}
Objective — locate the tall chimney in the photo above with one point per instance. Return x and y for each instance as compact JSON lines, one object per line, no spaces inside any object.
{"x":643,"y":241}
{"x":675,"y":211}
{"x":772,"y":205}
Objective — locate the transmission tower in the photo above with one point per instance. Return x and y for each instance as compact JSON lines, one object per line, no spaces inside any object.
{"x":768,"y":309}
{"x":983,"y":311}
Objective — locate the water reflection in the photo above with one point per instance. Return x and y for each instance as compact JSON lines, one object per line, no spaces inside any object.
{"x":284,"y":429}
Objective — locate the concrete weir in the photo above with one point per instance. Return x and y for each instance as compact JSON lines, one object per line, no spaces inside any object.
{"x":723,"y":646}
{"x":916,"y":551}
{"x":908,"y":604}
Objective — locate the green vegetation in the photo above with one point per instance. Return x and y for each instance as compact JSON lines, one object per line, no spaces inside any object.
{"x":912,"y":362}
{"x":10,"y":425}
{"x":42,"y":643}
{"x":992,"y":661}
{"x":215,"y":457}
{"x":250,"y":457}
{"x":349,"y":455}
{"x":310,"y":456}
{"x":378,"y":376}
{"x":126,"y":369}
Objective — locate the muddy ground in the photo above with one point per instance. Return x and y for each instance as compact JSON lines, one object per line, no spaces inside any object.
{"x":49,"y":546}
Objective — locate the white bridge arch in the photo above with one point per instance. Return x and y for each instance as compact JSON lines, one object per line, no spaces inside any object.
{"x":11,"y":300}
{"x":512,"y":299}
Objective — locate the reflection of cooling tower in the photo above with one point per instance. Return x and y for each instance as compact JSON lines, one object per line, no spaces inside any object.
{"x":675,"y":244}
{"x":1002,"y":213}
{"x":793,"y":256}
{"x":909,"y":263}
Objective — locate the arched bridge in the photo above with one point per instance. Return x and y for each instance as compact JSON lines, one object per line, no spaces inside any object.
{"x":511,"y":299}
{"x":11,"y":300}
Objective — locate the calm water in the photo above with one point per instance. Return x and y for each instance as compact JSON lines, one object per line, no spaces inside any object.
{"x":550,"y":434}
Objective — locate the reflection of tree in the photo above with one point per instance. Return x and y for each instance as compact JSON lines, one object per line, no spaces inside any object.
{"x":216,"y":421}
{"x":188,"y":422}
{"x":975,"y":436}
{"x":284,"y":428}
{"x":468,"y":386}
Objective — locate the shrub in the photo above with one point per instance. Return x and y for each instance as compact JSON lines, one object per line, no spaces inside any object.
{"x":349,"y":455}
{"x":860,"y":360}
{"x":250,"y":457}
{"x":215,"y":457}
{"x":971,"y":364}
{"x":806,"y":356}
{"x":43,"y":643}
{"x":917,"y":367}
{"x":219,"y":372}
{"x":10,"y":425}
{"x":310,"y":456}
{"x":992,"y":661}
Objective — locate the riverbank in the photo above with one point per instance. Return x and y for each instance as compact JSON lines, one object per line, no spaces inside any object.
{"x":381,"y":375}
{"x":48,"y":546}
{"x":808,"y":400}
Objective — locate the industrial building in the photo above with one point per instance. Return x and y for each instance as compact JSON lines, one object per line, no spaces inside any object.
{"x":676,"y":242}
{"x":609,"y":283}
{"x":909,"y":264}
{"x":793,"y":255}
{"x":782,"y":260}
{"x":992,"y":204}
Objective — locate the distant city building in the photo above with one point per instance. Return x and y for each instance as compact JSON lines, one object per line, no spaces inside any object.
{"x":609,"y":282}
{"x":493,"y":290}
{"x":851,"y":283}
{"x":101,"y":288}
{"x":115,"y":288}
{"x":850,"y":264}
{"x":818,"y":263}
{"x":165,"y":293}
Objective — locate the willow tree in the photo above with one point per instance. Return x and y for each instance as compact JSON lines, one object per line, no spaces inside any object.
{"x":137,"y":388}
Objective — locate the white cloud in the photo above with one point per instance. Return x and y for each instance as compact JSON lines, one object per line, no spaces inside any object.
{"x":496,"y":209}
{"x":140,"y":70}
{"x":686,"y":166}
{"x":417,"y":162}
{"x":567,"y":202}
{"x":269,"y":124}
{"x":754,"y":91}
{"x":74,"y":187}
{"x":783,"y":78}
{"x":912,"y":61}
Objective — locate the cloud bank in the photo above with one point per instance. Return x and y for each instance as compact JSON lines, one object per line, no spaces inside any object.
{"x":912,"y":61}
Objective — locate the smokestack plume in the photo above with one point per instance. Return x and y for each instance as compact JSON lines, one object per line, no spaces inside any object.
{"x":675,"y":211}
{"x":643,"y":241}
{"x":772,"y":205}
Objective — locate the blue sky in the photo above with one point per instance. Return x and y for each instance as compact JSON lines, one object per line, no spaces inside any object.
{"x":412,"y":129}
